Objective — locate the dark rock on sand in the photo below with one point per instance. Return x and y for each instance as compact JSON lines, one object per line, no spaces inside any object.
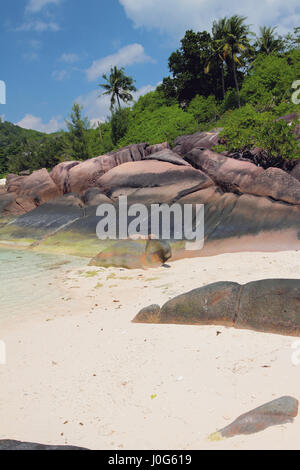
{"x":158,"y":252}
{"x":213,"y":304}
{"x":277,"y":412}
{"x":133,"y":254}
{"x":269,"y":306}
{"x":150,"y":314}
{"x":17,"y":445}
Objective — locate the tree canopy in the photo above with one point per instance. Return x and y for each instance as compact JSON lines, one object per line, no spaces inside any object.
{"x":225,"y":77}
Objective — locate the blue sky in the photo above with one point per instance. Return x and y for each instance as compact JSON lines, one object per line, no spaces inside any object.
{"x":54,"y":52}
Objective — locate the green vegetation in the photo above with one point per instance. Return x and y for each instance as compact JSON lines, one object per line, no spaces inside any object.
{"x":77,"y":138}
{"x":22,"y":149}
{"x":246,"y":128}
{"x":226,"y":78}
{"x":152,"y":120}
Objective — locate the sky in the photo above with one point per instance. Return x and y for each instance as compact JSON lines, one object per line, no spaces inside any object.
{"x":54,"y":52}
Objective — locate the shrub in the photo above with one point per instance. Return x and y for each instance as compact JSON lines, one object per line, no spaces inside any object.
{"x":204,"y":110}
{"x":270,"y":80}
{"x":159,"y":125}
{"x":246,"y":128}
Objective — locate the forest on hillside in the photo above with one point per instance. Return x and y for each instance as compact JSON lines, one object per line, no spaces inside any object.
{"x":227,"y":78}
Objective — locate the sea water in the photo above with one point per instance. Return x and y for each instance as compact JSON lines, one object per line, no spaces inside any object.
{"x":29,"y":281}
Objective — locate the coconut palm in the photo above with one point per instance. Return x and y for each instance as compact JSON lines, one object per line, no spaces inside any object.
{"x":217,"y":47}
{"x":119,"y":86}
{"x":236,"y":43}
{"x":268,"y":42}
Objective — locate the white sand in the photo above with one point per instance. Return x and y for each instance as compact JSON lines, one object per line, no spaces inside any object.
{"x":79,"y":372}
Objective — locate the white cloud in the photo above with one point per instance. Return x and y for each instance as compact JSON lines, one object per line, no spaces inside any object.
{"x":34,"y":6}
{"x":176,"y":16}
{"x":69,"y":58}
{"x":128,"y":55}
{"x":98,"y":108}
{"x":36,"y":123}
{"x":39,"y":26}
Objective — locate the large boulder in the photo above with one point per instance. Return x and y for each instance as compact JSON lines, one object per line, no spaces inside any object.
{"x":60,"y":174}
{"x":232,"y":175}
{"x":233,"y":222}
{"x":168,"y":156}
{"x":12,"y":205}
{"x":38,"y":186}
{"x":277,"y":184}
{"x":213,"y":304}
{"x":245,"y":177}
{"x":13,"y":182}
{"x":177,"y":180}
{"x":270,"y":306}
{"x":200,"y":140}
{"x":156,"y":148}
{"x":86,"y":175}
{"x":295,"y":173}
{"x":133,"y":254}
{"x":81,"y":176}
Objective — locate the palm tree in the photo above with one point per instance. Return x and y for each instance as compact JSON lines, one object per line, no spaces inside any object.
{"x":236,"y":42}
{"x":119,"y":86}
{"x":268,"y":42}
{"x":218,"y":43}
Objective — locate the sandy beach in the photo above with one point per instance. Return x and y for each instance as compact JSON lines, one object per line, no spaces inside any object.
{"x":79,"y":372}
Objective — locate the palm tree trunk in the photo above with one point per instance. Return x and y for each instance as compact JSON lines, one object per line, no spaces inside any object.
{"x":236,"y":84}
{"x":119,"y":101}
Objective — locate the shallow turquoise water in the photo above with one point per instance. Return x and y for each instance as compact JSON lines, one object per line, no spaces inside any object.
{"x":28,"y":281}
